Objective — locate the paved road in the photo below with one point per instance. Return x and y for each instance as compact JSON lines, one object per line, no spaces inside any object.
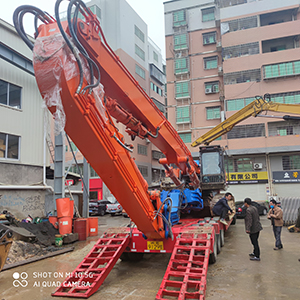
{"x":233,"y":276}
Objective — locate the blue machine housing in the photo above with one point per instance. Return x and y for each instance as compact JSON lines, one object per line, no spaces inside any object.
{"x":176,"y":201}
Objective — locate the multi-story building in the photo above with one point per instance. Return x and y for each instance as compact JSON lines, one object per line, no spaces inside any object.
{"x":220,"y":55}
{"x":127,"y":35}
{"x":23,"y":156}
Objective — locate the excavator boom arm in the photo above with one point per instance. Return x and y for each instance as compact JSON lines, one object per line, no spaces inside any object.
{"x":252,"y":109}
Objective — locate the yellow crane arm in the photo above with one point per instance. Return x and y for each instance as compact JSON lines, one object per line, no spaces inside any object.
{"x":252,"y":109}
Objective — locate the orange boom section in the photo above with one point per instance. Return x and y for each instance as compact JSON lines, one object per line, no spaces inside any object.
{"x":65,"y":77}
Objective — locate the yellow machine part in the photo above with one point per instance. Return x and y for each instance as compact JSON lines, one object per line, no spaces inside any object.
{"x":5,"y":244}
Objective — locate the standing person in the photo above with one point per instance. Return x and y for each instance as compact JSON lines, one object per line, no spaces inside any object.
{"x":276,"y":215}
{"x":253,"y":227}
{"x":221,"y":208}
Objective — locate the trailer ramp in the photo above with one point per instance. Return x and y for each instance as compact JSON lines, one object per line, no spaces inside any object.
{"x":86,"y":279}
{"x":185,"y":277}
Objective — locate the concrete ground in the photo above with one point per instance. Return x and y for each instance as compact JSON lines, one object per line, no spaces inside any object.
{"x":233,"y":276}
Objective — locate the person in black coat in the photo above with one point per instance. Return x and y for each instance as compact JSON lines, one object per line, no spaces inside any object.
{"x":221,"y":208}
{"x":253,"y":227}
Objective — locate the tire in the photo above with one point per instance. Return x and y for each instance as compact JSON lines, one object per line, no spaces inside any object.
{"x":124,"y":256}
{"x":222,"y":237}
{"x":264,"y":212}
{"x":213,"y":255}
{"x":135,"y":256}
{"x":218,"y":241}
{"x":101,"y":212}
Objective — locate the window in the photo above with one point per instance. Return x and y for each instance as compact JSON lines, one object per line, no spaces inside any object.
{"x":96,"y":10}
{"x":209,"y":38}
{"x":241,"y":24}
{"x":9,"y":146}
{"x":210,"y":62}
{"x":247,"y":131}
{"x":208,"y":14}
{"x":155,"y":56}
{"x":183,"y":114}
{"x":289,"y":98}
{"x":180,"y":41}
{"x":181,"y":66}
{"x":142,"y":150}
{"x":182,"y":89}
{"x":291,"y":162}
{"x":282,"y":69}
{"x":186,"y":137}
{"x":76,"y":169}
{"x":10,"y":94}
{"x":155,"y":88}
{"x":139,"y":52}
{"x":237,"y":104}
{"x":242,"y":76}
{"x":139,"y":33}
{"x":243,"y":165}
{"x":140,"y":71}
{"x":212,"y":87}
{"x":284,"y":128}
{"x":179,"y":18}
{"x":238,"y":165}
{"x":240,"y":50}
{"x":213,"y":113}
{"x":93,"y":173}
{"x":73,"y":146}
{"x":143,"y":170}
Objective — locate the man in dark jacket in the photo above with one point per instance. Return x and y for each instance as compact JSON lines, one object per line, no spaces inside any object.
{"x":221,"y":208}
{"x":253,"y":227}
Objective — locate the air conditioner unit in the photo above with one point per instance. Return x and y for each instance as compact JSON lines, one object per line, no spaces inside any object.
{"x":208,"y":91}
{"x":257,"y":166}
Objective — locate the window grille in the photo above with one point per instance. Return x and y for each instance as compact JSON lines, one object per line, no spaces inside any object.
{"x":139,"y":52}
{"x":208,"y":14}
{"x":140,"y":71}
{"x":247,"y":131}
{"x":180,"y":41}
{"x":291,"y":162}
{"x":181,"y":65}
{"x":241,"y":50}
{"x":179,"y":18}
{"x":242,"y":24}
{"x":226,"y":3}
{"x":183,"y":114}
{"x":288,"y":98}
{"x":143,"y":170}
{"x":237,"y":104}
{"x":182,"y":89}
{"x":186,"y":137}
{"x":242,"y":76}
{"x":213,"y":113}
{"x":281,"y":70}
{"x":212,"y":87}
{"x":209,"y":38}
{"x":142,"y":150}
{"x":139,"y":33}
{"x":210,"y":62}
{"x":283,"y":128}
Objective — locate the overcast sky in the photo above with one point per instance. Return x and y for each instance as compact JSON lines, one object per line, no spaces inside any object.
{"x":151,"y":11}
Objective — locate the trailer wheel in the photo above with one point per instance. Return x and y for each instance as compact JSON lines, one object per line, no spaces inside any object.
{"x":124,"y":256}
{"x":135,"y":256}
{"x":218,"y":241}
{"x":213,"y":256}
{"x":222,"y":237}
